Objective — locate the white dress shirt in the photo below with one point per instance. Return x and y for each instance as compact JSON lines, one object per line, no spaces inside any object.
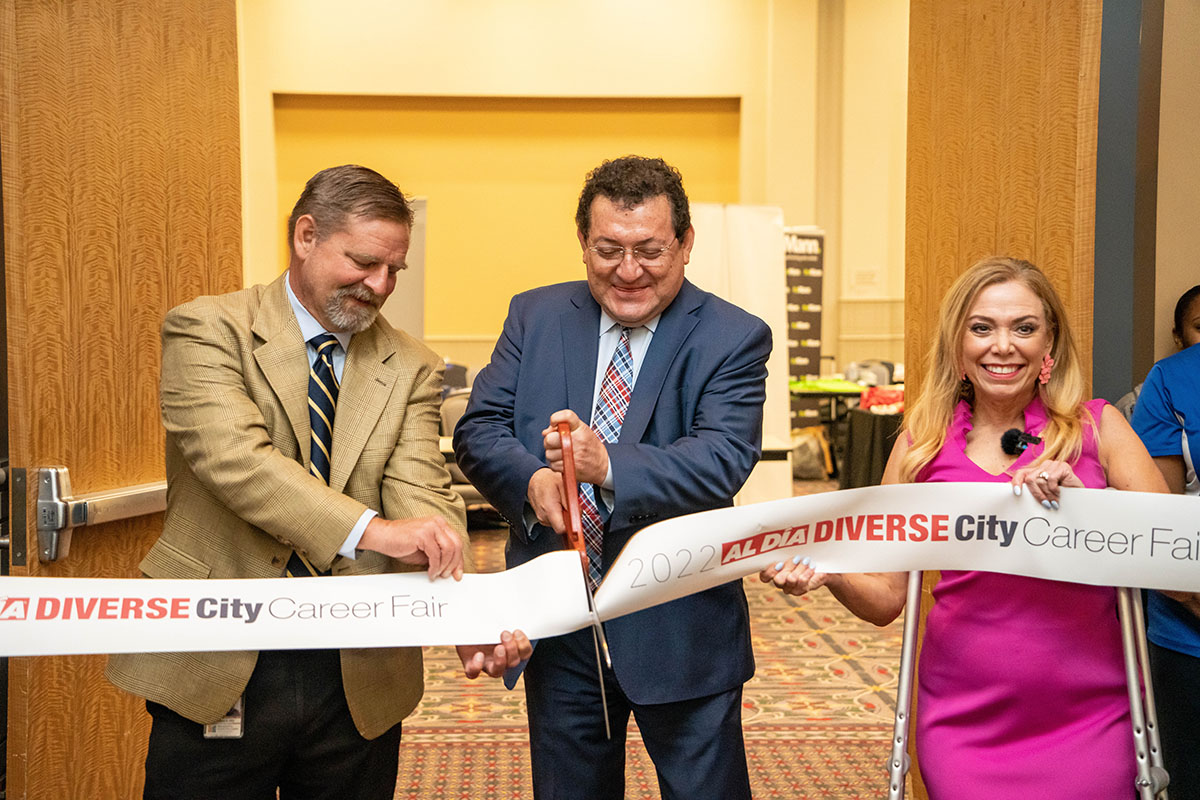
{"x":610,"y":337}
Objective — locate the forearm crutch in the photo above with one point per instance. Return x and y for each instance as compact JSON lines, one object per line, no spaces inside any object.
{"x":1152,"y":778}
{"x":899,"y":762}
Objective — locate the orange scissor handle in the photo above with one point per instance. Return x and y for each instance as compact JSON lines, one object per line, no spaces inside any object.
{"x":574,"y":522}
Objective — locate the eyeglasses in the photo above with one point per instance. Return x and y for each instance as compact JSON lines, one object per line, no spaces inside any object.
{"x":612,"y":255}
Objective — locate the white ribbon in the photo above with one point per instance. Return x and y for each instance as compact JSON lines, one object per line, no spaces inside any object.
{"x":1101,"y":537}
{"x":60,"y":616}
{"x":1098,"y":537}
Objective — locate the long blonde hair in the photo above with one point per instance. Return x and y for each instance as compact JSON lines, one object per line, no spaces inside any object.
{"x":929,"y":417}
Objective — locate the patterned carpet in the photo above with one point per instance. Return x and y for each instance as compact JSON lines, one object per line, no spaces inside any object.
{"x":817,"y":715}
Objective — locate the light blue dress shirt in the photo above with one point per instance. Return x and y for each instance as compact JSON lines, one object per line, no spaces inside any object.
{"x":309,"y":327}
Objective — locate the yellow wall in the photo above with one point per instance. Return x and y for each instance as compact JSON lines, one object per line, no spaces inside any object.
{"x":761,"y":55}
{"x":875,"y":118}
{"x":501,"y":176}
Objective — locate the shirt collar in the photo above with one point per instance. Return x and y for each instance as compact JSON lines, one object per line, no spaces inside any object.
{"x":309,"y":327}
{"x":607,"y":323}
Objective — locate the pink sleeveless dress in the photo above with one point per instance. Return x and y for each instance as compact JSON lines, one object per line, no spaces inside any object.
{"x":1021,"y":682}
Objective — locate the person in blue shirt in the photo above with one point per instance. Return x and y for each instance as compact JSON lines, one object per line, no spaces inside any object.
{"x":1167,"y":418}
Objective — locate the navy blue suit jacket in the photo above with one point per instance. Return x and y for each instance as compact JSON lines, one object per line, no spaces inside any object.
{"x":690,"y":437}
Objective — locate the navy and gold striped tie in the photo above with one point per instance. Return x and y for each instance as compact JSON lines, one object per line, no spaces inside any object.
{"x":322,"y":403}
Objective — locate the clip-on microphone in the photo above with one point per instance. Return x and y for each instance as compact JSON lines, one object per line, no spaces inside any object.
{"x":1014,"y":441}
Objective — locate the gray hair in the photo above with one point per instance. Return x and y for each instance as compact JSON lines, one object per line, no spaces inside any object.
{"x":335,"y":194}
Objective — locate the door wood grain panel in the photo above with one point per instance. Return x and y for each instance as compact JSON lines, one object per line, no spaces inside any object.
{"x":1001,"y":151}
{"x":119,"y":137}
{"x":1002,"y":110}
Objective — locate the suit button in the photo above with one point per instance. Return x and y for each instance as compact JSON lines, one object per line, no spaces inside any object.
{"x":276,"y":561}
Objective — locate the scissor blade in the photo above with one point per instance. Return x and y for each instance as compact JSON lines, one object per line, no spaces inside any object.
{"x":601,"y":644}
{"x":600,"y":676}
{"x":597,"y":628}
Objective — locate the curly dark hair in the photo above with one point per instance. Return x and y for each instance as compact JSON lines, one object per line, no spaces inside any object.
{"x":337,"y":193}
{"x":630,"y":181}
{"x":1182,"y":307}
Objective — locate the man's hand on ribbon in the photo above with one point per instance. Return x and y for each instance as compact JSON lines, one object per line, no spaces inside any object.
{"x":591,"y":456}
{"x":419,"y":540}
{"x":493,"y":660}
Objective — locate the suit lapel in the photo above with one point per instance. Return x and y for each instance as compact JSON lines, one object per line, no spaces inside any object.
{"x":674,"y":327}
{"x":367,"y":382}
{"x":581,"y":343}
{"x":283,"y":359}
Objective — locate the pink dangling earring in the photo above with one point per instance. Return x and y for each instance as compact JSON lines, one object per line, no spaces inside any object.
{"x":1047,"y":368}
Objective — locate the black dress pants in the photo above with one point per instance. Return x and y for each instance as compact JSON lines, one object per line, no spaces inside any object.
{"x":1176,"y":679}
{"x":298,"y":738}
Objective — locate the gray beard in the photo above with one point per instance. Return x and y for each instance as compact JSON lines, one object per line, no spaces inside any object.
{"x":352,"y":318}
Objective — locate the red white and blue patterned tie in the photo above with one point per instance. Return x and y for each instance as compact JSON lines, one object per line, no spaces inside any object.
{"x":615,"y":391}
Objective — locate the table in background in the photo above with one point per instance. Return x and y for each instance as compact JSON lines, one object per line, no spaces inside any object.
{"x":869,"y":440}
{"x":840,"y":393}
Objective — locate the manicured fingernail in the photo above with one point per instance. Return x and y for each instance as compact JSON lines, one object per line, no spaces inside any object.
{"x":1017,"y":489}
{"x":1046,"y":504}
{"x":1054,"y":504}
{"x":779,"y":566}
{"x":807,"y":561}
{"x":795,"y":559}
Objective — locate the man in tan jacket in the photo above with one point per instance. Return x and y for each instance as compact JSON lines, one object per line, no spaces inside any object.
{"x":302,"y":439}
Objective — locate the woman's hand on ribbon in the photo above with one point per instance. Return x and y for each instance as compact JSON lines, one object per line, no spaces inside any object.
{"x":795,"y":576}
{"x":1044,"y":480}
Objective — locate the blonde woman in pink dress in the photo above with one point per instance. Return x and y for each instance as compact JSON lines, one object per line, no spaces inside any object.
{"x":1021,"y":691}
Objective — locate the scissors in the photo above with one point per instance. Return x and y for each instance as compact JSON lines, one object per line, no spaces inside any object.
{"x":574,"y":525}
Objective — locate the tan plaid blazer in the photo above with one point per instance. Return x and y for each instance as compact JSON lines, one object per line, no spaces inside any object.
{"x":240,"y":498}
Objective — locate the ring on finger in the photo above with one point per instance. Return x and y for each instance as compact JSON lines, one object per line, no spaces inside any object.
{"x":1044,"y":475}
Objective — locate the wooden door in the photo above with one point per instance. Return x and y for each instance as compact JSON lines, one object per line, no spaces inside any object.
{"x":119,"y":150}
{"x":1002,"y":105}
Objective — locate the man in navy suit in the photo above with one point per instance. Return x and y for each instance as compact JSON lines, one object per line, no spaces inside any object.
{"x":686,"y":442}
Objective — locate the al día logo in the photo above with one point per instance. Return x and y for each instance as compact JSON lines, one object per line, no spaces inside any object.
{"x":14,"y":607}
